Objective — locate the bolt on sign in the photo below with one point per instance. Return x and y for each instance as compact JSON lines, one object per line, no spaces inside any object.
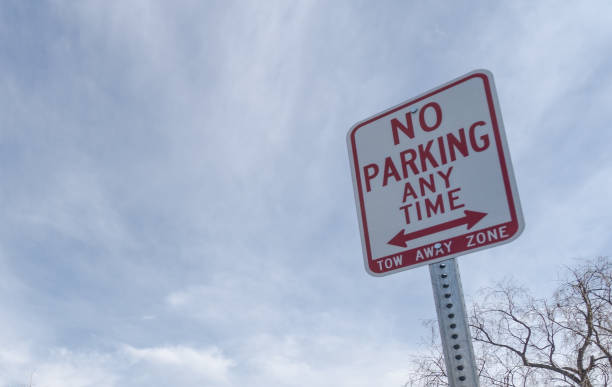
{"x":433,"y":177}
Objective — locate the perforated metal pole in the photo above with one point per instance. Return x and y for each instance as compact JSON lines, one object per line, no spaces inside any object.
{"x":452,"y":319}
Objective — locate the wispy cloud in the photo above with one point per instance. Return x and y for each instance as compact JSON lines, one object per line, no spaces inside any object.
{"x":175,"y":193}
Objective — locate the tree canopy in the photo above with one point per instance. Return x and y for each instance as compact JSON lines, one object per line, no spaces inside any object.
{"x":520,"y":340}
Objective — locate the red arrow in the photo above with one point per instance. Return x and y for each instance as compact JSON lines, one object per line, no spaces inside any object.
{"x":470,"y":219}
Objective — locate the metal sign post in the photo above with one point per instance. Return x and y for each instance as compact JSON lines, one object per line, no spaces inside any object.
{"x":452,"y":320}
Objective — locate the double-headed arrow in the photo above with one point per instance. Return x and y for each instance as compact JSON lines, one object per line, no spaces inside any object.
{"x":470,"y":219}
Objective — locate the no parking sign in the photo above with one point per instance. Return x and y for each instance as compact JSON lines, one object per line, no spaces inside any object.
{"x":433,"y":178}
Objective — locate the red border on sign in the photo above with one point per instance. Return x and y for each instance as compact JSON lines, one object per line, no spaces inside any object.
{"x":376,"y":265}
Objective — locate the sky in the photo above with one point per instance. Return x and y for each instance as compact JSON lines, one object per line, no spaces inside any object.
{"x":176,"y":200}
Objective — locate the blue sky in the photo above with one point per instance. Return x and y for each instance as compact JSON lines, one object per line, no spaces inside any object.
{"x":176,"y":199}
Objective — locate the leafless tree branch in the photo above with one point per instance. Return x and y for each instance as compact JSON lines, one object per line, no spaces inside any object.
{"x":524,"y":341}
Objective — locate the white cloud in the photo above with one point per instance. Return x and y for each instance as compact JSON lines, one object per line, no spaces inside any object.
{"x":264,"y":360}
{"x":323,"y":361}
{"x":228,"y":302}
{"x":148,"y":366}
{"x":204,"y":365}
{"x":60,"y":368}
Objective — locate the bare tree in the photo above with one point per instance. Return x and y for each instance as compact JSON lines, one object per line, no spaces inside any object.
{"x":523,"y":341}
{"x":430,"y":369}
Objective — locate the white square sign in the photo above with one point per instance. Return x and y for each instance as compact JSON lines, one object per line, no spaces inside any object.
{"x":433,"y":178}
